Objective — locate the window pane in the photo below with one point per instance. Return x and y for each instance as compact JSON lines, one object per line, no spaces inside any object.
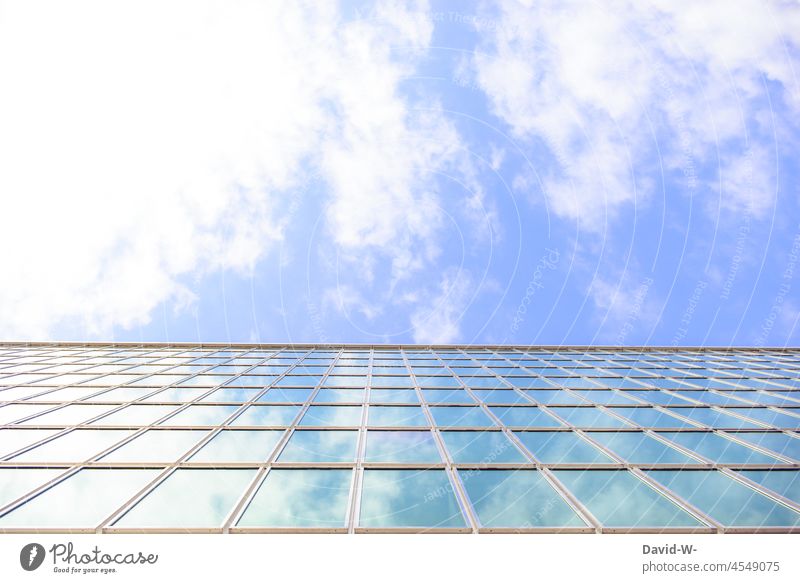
{"x":330,"y":416}
{"x":393,"y":396}
{"x":587,"y":417}
{"x":647,"y":417}
{"x":773,"y":418}
{"x":201,"y":415}
{"x":15,"y":412}
{"x":726,"y":500}
{"x":83,"y":500}
{"x":231,"y":395}
{"x":391,"y":382}
{"x":455,"y":397}
{"x":157,"y":446}
{"x":70,"y":415}
{"x":560,"y":447}
{"x":397,"y":417}
{"x":320,"y":446}
{"x":339,"y":396}
{"x":238,"y":446}
{"x":553,"y":397}
{"x":517,"y":498}
{"x":780,"y":443}
{"x":285,"y":396}
{"x":300,"y":498}
{"x":267,"y":415}
{"x":505,"y":396}
{"x":525,"y":417}
{"x":402,"y":446}
{"x":481,"y":447}
{"x":75,"y":446}
{"x":190,"y":498}
{"x":713,"y":418}
{"x":605,"y":397}
{"x":136,"y":415}
{"x":719,"y":449}
{"x":639,"y":448}
{"x":15,"y":482}
{"x":785,"y":483}
{"x":619,"y":499}
{"x":460,"y":417}
{"x":12,"y":440}
{"x":176,"y":395}
{"x":408,"y":498}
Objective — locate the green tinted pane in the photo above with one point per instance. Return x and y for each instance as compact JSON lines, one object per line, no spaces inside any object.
{"x":518,"y":499}
{"x":402,"y":446}
{"x":460,"y":417}
{"x":267,"y":415}
{"x":330,"y":416}
{"x":786,"y":483}
{"x":238,"y":446}
{"x":525,"y":417}
{"x":726,"y":500}
{"x":14,"y":482}
{"x":320,"y":446}
{"x":300,"y":498}
{"x":618,"y":499}
{"x":558,"y":447}
{"x":83,"y":500}
{"x":719,"y":449}
{"x":157,"y":446}
{"x":409,"y":498}
{"x":396,"y":417}
{"x":481,"y":447}
{"x":393,"y":396}
{"x":189,"y":498}
{"x":639,"y":448}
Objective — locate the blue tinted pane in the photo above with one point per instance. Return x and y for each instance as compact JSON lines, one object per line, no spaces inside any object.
{"x":773,"y":418}
{"x":409,"y":498}
{"x":393,"y":396}
{"x":201,"y":415}
{"x":785,"y":483}
{"x":525,"y":417}
{"x":713,"y":418}
{"x":285,"y":396}
{"x":619,"y":499}
{"x":267,"y":415}
{"x":481,"y":447}
{"x":238,"y":446}
{"x":639,"y":448}
{"x":726,"y":500}
{"x":458,"y":396}
{"x":556,"y":447}
{"x":396,"y":417}
{"x":460,"y":417}
{"x":157,"y":446}
{"x":605,"y":397}
{"x":506,"y":396}
{"x":402,"y":446}
{"x":587,"y":417}
{"x":298,"y":381}
{"x":517,"y":498}
{"x":231,"y":395}
{"x":320,"y":446}
{"x":339,"y":396}
{"x":331,"y":416}
{"x":719,"y":449}
{"x":647,"y":417}
{"x":345,"y":381}
{"x":553,"y":397}
{"x":391,"y":382}
{"x":658,"y":397}
{"x":300,"y":498}
{"x":780,"y":443}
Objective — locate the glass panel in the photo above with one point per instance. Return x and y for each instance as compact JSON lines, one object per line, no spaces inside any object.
{"x":136,"y":415}
{"x":201,"y":415}
{"x":75,"y":446}
{"x":619,"y":499}
{"x":525,"y":417}
{"x":320,"y":446}
{"x":639,"y":448}
{"x":785,"y":483}
{"x":122,"y":395}
{"x":67,"y":394}
{"x":339,"y":396}
{"x":345,"y":381}
{"x":713,"y":418}
{"x":647,"y":417}
{"x":437,"y":381}
{"x":397,"y":417}
{"x":190,"y":498}
{"x":231,"y":395}
{"x":587,"y":417}
{"x":391,"y":382}
{"x":267,"y":415}
{"x":70,"y":415}
{"x":300,"y":498}
{"x":460,"y":417}
{"x":481,"y":447}
{"x":81,"y":501}
{"x":561,"y":447}
{"x":718,"y":449}
{"x":176,"y":395}
{"x":393,"y":396}
{"x":402,"y":446}
{"x":15,"y":482}
{"x":157,"y":446}
{"x":408,"y":498}
{"x":553,"y":397}
{"x":238,"y":446}
{"x":773,"y":418}
{"x":517,"y":498}
{"x":12,"y":440}
{"x":505,"y":396}
{"x":605,"y":397}
{"x":299,"y":381}
{"x":778,"y":442}
{"x":455,"y":397}
{"x":726,"y":500}
{"x":331,"y":416}
{"x":286,"y":396}
{"x":658,"y":397}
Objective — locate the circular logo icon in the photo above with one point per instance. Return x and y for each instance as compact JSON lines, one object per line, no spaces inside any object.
{"x":31,"y":556}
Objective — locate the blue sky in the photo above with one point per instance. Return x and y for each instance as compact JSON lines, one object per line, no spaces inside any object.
{"x":498,"y":172}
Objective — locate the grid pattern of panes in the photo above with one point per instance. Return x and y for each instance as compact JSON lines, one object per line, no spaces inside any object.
{"x":176,"y":438}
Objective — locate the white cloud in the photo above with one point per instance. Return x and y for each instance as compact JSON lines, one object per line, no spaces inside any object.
{"x":438,"y":321}
{"x":603,"y":84}
{"x":145,"y":142}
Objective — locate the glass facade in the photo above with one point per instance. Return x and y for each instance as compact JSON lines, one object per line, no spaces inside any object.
{"x":303,"y":438}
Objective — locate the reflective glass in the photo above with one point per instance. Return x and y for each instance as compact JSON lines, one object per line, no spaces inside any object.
{"x":299,"y":381}
{"x":771,"y":417}
{"x":525,"y":417}
{"x":561,"y":447}
{"x":504,"y":396}
{"x":157,"y":446}
{"x":553,"y":397}
{"x":380,"y":416}
{"x":70,"y":415}
{"x":122,"y":395}
{"x":231,"y":395}
{"x":76,"y":446}
{"x":726,"y":500}
{"x":587,"y":417}
{"x":481,"y":447}
{"x":393,"y":396}
{"x":719,"y":449}
{"x":339,"y":396}
{"x":713,"y":418}
{"x":518,"y":499}
{"x":619,"y":499}
{"x":267,"y":415}
{"x":285,"y":396}
{"x":12,"y":440}
{"x":201,"y":415}
{"x":647,"y":417}
{"x":231,"y":445}
{"x":408,"y":498}
{"x":640,"y":448}
{"x":320,"y":446}
{"x":189,"y":498}
{"x":780,"y":443}
{"x":460,"y":417}
{"x":300,"y":498}
{"x":605,"y":397}
{"x":785,"y":483}
{"x":331,"y":416}
{"x":402,"y":446}
{"x":136,"y":415}
{"x":454,"y":397}
{"x":176,"y":395}
{"x":391,"y":382}
{"x":81,"y":501}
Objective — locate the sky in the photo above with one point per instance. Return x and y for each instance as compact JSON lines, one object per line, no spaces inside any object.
{"x":622,"y":172}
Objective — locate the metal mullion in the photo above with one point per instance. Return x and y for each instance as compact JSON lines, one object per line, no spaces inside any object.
{"x":356,"y":486}
{"x":250,"y":492}
{"x":453,"y":478}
